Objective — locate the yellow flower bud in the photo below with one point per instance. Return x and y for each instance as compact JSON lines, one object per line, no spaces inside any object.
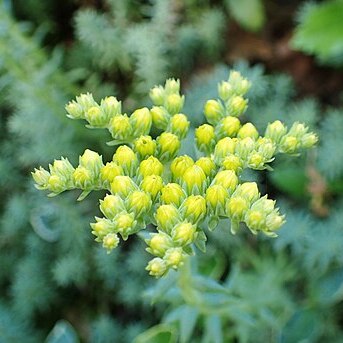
{"x":223,"y":148}
{"x":101,"y":228}
{"x":124,"y":223}
{"x":172,"y":86}
{"x":56,"y":184}
{"x":109,"y":172}
{"x":249,"y":191}
{"x":82,"y":178}
{"x":236,"y":208}
{"x":152,"y":184}
{"x":156,"y":267}
{"x":111,"y":107}
{"x":298,"y":130}
{"x":180,"y":164}
{"x":75,"y":110}
{"x":166,"y":216}
{"x":122,"y":185}
{"x":86,"y":101}
{"x":157,"y":95}
{"x":275,"y":131}
{"x":91,"y":161}
{"x":174,"y":257}
{"x":126,"y":158}
{"x":248,"y":130}
{"x":266,"y":147}
{"x":213,"y":111}
{"x":184,"y":233}
{"x":255,"y":220}
{"x":228,"y":127}
{"x":120,"y":127}
{"x":159,"y":243}
{"x":179,"y":125}
{"x":172,"y":193}
{"x":110,"y":241}
{"x":139,"y":202}
{"x":111,"y":206}
{"x":274,"y":221}
{"x":62,"y":168}
{"x":194,"y":179}
{"x":207,"y":165}
{"x":193,"y":208}
{"x":308,"y":140}
{"x":150,"y":166}
{"x":167,"y":145}
{"x":216,"y":196}
{"x":234,"y":163}
{"x":238,"y":83}
{"x":228,"y":179}
{"x":174,"y":103}
{"x":141,"y":121}
{"x":289,"y":144}
{"x":96,"y":117}
{"x":237,"y":106}
{"x":145,"y":146}
{"x":160,"y":117}
{"x":225,"y":90}
{"x":256,"y":161}
{"x":205,"y":138}
{"x":41,"y":177}
{"x":244,"y":147}
{"x":264,"y":205}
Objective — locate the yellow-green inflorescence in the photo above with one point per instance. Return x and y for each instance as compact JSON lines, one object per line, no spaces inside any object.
{"x":148,"y":183}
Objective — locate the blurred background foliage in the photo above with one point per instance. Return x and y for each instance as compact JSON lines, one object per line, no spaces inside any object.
{"x":56,"y":284}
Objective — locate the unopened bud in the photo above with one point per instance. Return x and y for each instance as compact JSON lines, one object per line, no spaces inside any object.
{"x":237,"y":105}
{"x":174,"y":257}
{"x":75,"y":110}
{"x":110,"y":241}
{"x":236,"y":208}
{"x":152,"y":184}
{"x":91,"y":161}
{"x":157,"y":95}
{"x":111,"y":107}
{"x":216,"y":196}
{"x":96,"y":117}
{"x":156,"y":267}
{"x":207,"y":165}
{"x":160,"y":117}
{"x":120,"y":127}
{"x":86,"y":101}
{"x":225,"y":90}
{"x":141,"y":122}
{"x":308,"y":140}
{"x":167,"y":146}
{"x":213,"y":111}
{"x":184,"y":233}
{"x":174,"y":103}
{"x":145,"y":146}
{"x":233,"y":162}
{"x":228,"y":127}
{"x":180,"y":164}
{"x":275,"y":131}
{"x":205,"y":138}
{"x":150,"y":166}
{"x":166,"y":217}
{"x":289,"y":144}
{"x":109,"y":172}
{"x":248,"y":130}
{"x":124,"y":223}
{"x":41,"y":177}
{"x":172,"y":193}
{"x":101,"y":228}
{"x":193,"y":208}
{"x":111,"y":206}
{"x":122,"y":185}
{"x":172,"y":86}
{"x":194,"y":179}
{"x":126,"y":158}
{"x":82,"y":178}
{"x":139,"y":202}
{"x":179,"y":125}
{"x":223,"y":148}
{"x":228,"y":179}
{"x":159,"y":243}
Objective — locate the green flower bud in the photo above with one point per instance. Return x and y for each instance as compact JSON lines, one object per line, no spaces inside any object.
{"x":56,"y":184}
{"x":110,"y":242}
{"x":205,"y":138}
{"x":111,"y":107}
{"x":172,"y":86}
{"x":83,"y":178}
{"x":255,"y":220}
{"x":152,"y":184}
{"x":111,"y":206}
{"x":244,"y":147}
{"x":41,"y":177}
{"x":139,"y":202}
{"x":96,"y":117}
{"x":238,"y":83}
{"x":75,"y":110}
{"x":216,"y":196}
{"x":249,"y":191}
{"x":156,"y":267}
{"x":213,"y":111}
{"x":174,"y":257}
{"x":308,"y":140}
{"x":232,"y":162}
{"x":274,"y":221}
{"x":289,"y":144}
{"x":172,"y":193}
{"x":207,"y":165}
{"x":150,"y":166}
{"x":122,"y":185}
{"x":179,"y":125}
{"x":167,"y":146}
{"x":228,"y":179}
{"x":180,"y":164}
{"x":157,"y":95}
{"x":91,"y":161}
{"x":174,"y":103}
{"x":266,"y":147}
{"x":101,"y":228}
{"x":127,"y":159}
{"x":256,"y":161}
{"x":298,"y":130}
{"x":141,"y":121}
{"x":223,"y":148}
{"x":86,"y":101}
{"x":109,"y":172}
{"x":193,"y":208}
{"x":264,"y":205}
{"x":120,"y":127}
{"x":228,"y":127}
{"x":225,"y":90}
{"x":145,"y":146}
{"x":275,"y":131}
{"x":184,"y":233}
{"x":237,"y":105}
{"x":194,"y":179}
{"x":166,"y":217}
{"x":159,"y":243}
{"x":63,"y":169}
{"x":248,"y":130}
{"x":160,"y":117}
{"x":124,"y":224}
{"x":236,"y":208}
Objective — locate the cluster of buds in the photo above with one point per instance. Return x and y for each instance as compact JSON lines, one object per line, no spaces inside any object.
{"x":147,"y":183}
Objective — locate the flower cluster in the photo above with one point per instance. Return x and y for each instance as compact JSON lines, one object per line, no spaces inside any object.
{"x":148,"y":183}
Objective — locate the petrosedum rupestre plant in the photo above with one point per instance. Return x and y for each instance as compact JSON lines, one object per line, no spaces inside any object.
{"x":148,"y":183}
